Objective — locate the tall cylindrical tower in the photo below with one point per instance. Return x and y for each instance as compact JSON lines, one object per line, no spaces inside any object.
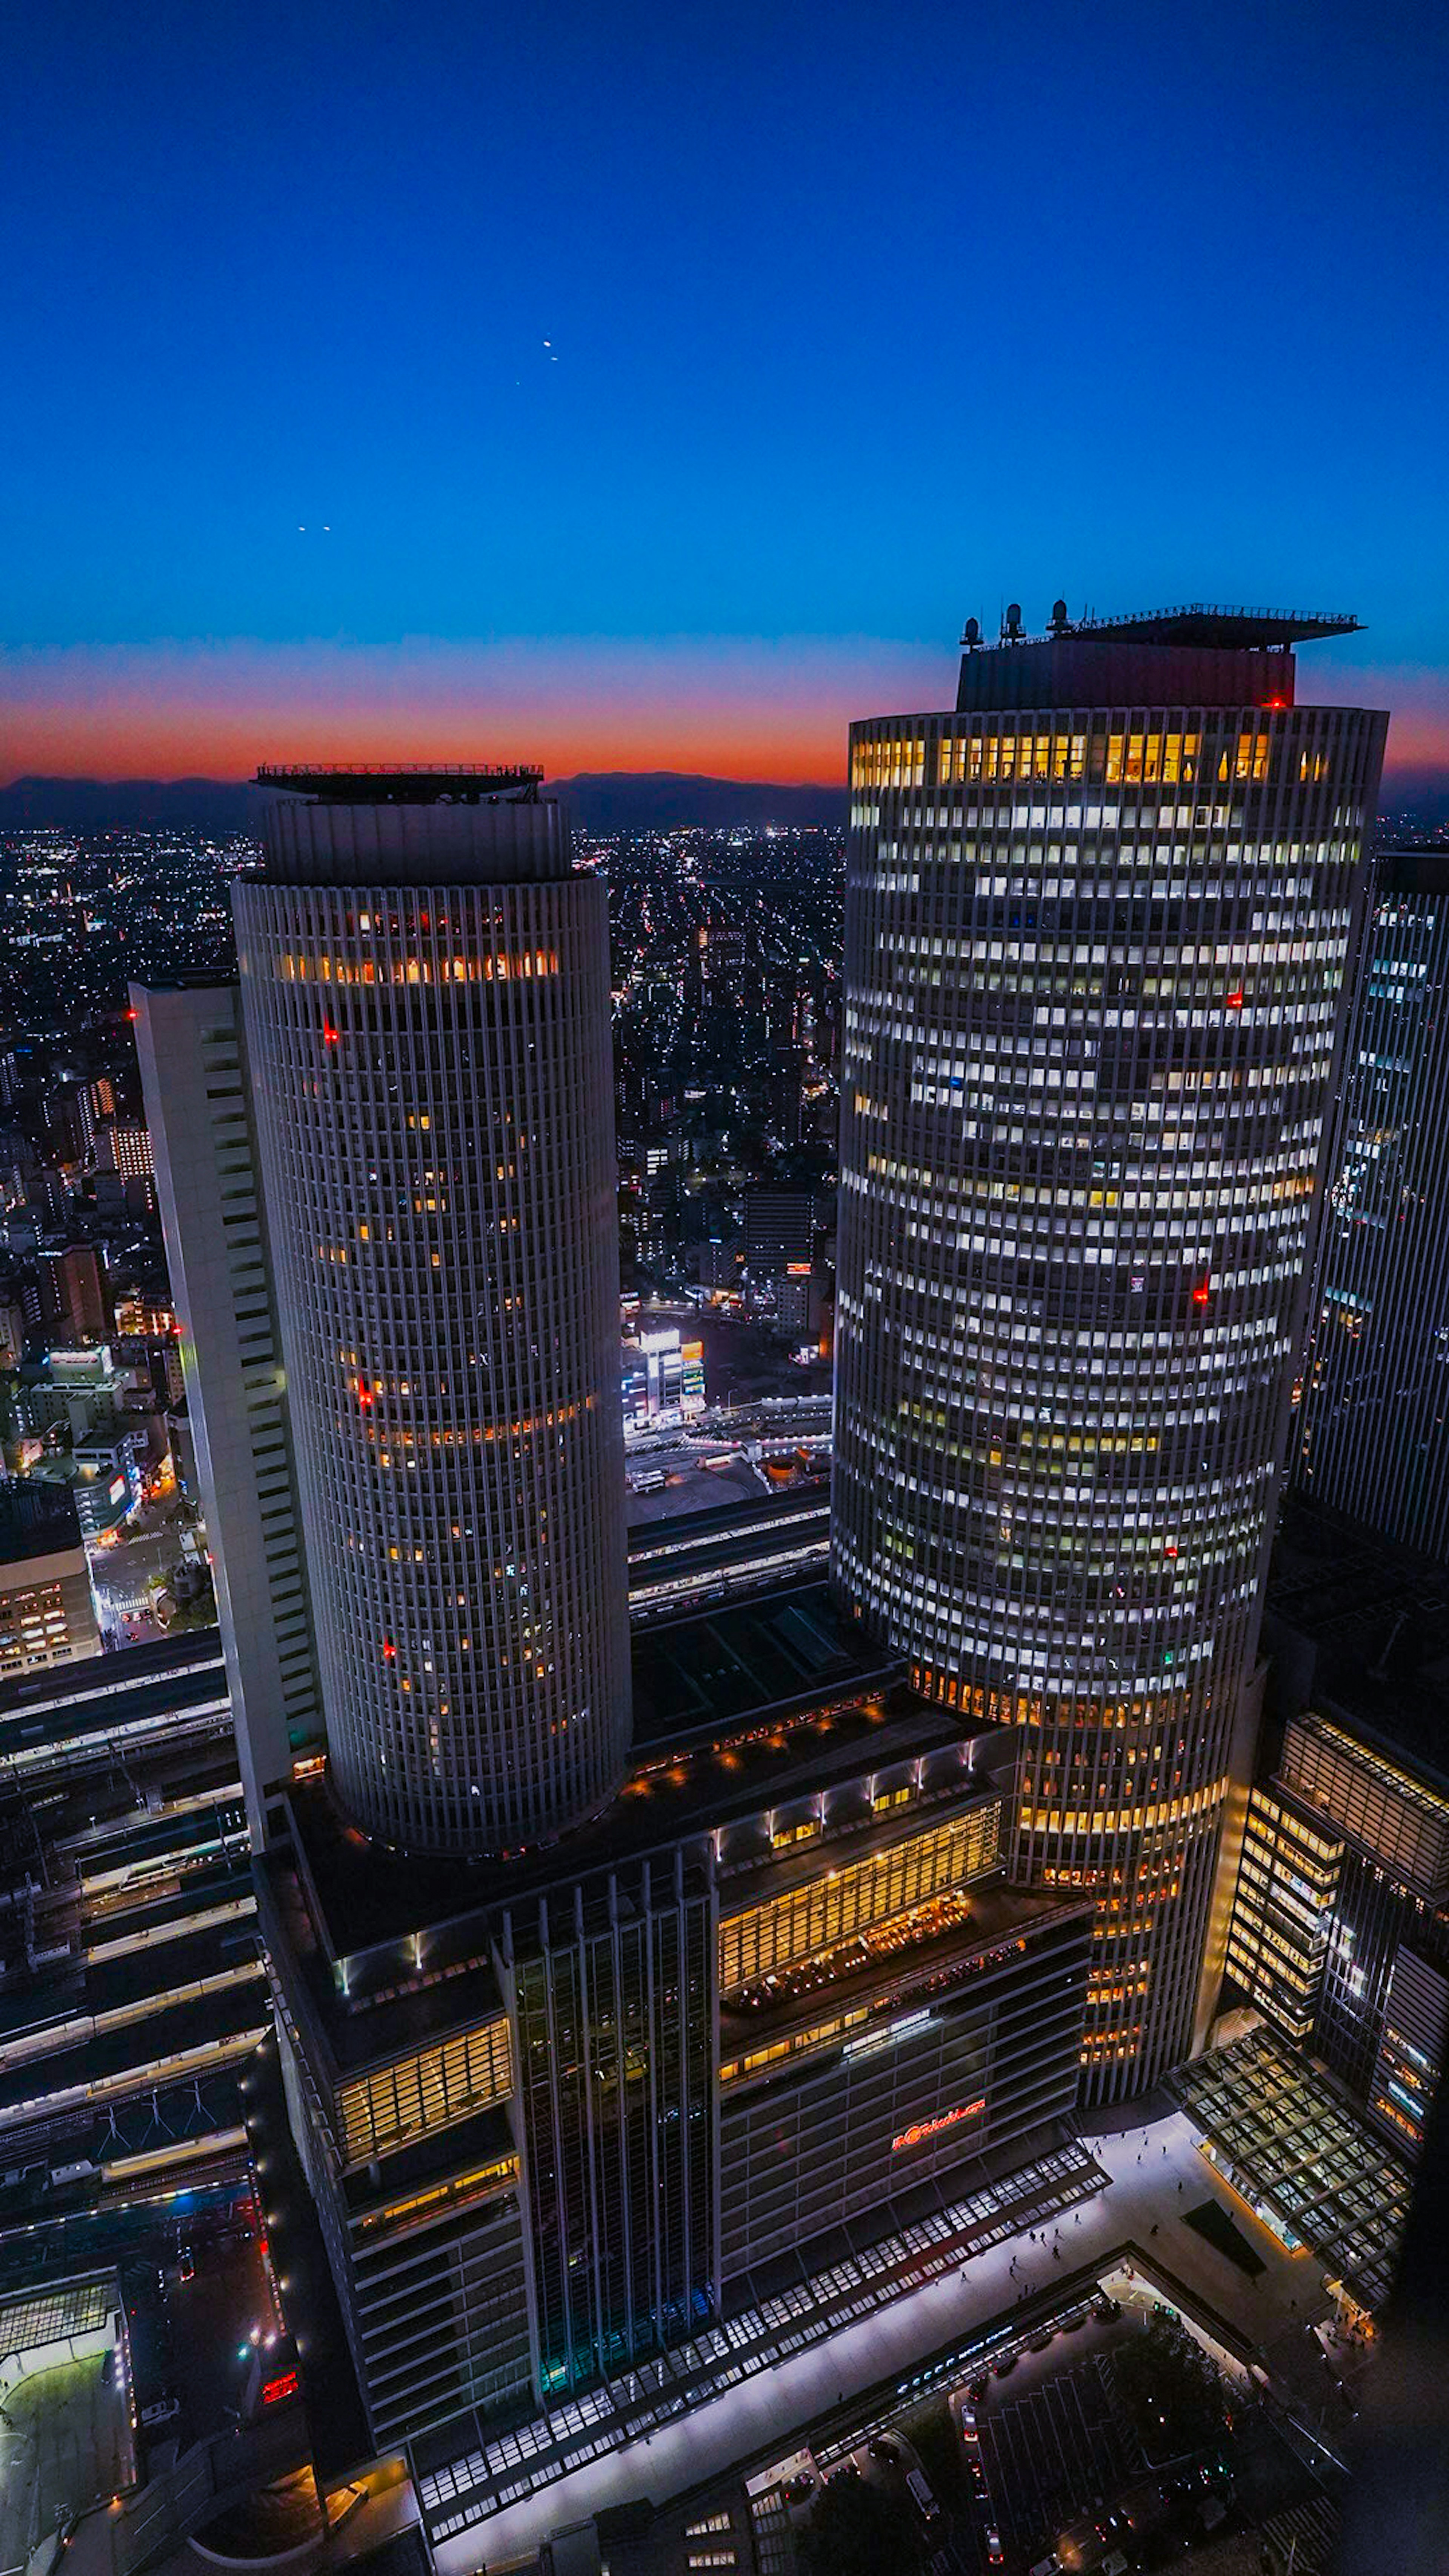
{"x":425,"y":986}
{"x":1096,"y":930}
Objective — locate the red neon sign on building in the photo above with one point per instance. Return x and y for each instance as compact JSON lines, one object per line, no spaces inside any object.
{"x":924,"y":2129}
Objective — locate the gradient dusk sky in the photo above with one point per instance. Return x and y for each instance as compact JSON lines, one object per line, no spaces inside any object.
{"x":659,"y":387}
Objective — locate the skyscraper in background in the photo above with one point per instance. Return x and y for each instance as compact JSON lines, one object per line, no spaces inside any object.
{"x":1373,"y":1430}
{"x":238,"y":1410}
{"x":1097,"y":926}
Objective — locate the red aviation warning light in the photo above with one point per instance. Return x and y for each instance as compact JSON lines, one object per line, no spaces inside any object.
{"x":1234,"y":1001}
{"x":1202,"y":1292}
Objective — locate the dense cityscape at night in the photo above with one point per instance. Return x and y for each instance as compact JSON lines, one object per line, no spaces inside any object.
{"x":726,"y":985}
{"x":84,"y":912}
{"x":724,"y":1296}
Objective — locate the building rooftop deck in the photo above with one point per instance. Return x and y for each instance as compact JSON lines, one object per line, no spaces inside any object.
{"x":995,"y":1915}
{"x":776,"y":1650}
{"x":417,"y":782}
{"x":1228,"y":629}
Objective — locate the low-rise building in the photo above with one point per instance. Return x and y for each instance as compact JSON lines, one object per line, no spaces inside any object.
{"x":47,"y":1612}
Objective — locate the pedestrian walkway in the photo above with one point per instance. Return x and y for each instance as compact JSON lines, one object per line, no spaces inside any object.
{"x":461,"y":2489}
{"x":1137,"y":2174}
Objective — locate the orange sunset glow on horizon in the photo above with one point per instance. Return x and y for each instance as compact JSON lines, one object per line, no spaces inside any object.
{"x":772,"y":710}
{"x":775,"y":709}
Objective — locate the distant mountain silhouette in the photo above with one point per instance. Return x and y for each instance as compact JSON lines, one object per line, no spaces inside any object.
{"x":219,"y":805}
{"x":610,"y":800}
{"x":658,"y":800}
{"x":619,"y":800}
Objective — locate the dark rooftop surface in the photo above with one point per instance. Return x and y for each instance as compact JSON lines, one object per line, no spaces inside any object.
{"x":150,"y":1973}
{"x":705,"y":1668}
{"x":680,"y":1531}
{"x":37,"y":1520}
{"x":136,"y":2046}
{"x":1359,"y":1630}
{"x":79,"y":1686}
{"x":1405,"y":866}
{"x":420,"y":783}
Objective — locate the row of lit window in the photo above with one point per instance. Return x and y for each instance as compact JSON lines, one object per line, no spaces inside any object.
{"x":527,"y":965}
{"x":799,"y":2042}
{"x":426,"y":2090}
{"x":839,"y":1903}
{"x":482,"y":2183}
{"x":1147,"y":758}
{"x":1167,"y":1812}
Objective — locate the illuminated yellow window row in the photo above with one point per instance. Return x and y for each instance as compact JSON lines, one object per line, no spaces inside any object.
{"x":478,"y":2185}
{"x":830,"y":1909}
{"x":889,"y":764}
{"x":1115,"y":759}
{"x":1125,"y":1820}
{"x":425,"y":2091}
{"x":502,"y":967}
{"x":1168,"y":759}
{"x":799,"y":2041}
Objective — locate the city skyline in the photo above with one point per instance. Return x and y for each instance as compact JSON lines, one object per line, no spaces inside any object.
{"x":586,"y":467}
{"x":616,"y":2124}
{"x":724,"y":1366}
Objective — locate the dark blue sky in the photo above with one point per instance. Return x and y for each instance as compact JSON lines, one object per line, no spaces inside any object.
{"x":656,"y":336}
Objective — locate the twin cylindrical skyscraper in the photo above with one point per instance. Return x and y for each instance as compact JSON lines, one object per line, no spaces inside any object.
{"x":1098,"y":922}
{"x":425,"y":999}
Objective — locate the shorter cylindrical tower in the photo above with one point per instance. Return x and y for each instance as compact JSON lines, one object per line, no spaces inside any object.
{"x":426,"y":1005}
